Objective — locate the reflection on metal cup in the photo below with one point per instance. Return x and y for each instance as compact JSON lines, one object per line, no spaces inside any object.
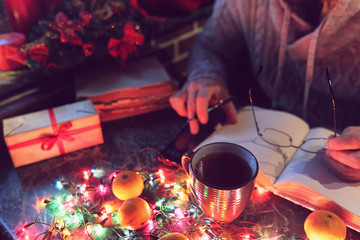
{"x":221,"y":202}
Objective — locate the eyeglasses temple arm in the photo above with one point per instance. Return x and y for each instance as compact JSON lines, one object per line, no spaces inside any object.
{"x":332,"y":98}
{"x":253,"y":112}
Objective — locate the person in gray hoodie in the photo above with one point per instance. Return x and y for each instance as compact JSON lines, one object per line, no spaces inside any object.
{"x":293,"y":41}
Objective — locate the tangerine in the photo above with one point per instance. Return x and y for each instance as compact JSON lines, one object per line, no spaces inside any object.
{"x":127,"y":184}
{"x":134,"y":213}
{"x":173,"y":236}
{"x":322,"y":224}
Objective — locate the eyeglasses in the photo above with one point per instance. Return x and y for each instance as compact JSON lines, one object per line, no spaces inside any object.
{"x":279,"y":138}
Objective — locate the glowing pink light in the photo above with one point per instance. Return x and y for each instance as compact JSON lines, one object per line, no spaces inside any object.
{"x":168,"y":185}
{"x":83,"y":187}
{"x":86,"y":194}
{"x":161,"y":175}
{"x":204,"y":237}
{"x":69,"y":204}
{"x":102,"y":189}
{"x":247,"y":237}
{"x":86,"y":175}
{"x":89,"y":229}
{"x":104,"y":216}
{"x":151,"y":224}
{"x":179,"y":213}
{"x":19,"y":233}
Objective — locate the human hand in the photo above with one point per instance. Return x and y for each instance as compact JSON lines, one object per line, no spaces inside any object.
{"x":194,"y":99}
{"x":343,"y":154}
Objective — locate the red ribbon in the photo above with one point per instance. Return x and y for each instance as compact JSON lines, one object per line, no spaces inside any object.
{"x":39,"y":53}
{"x":61,"y":134}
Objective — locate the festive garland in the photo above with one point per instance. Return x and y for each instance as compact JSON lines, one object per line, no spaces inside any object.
{"x":78,"y":30}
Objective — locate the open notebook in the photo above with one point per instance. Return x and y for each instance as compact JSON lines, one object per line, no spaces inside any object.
{"x":291,"y":173}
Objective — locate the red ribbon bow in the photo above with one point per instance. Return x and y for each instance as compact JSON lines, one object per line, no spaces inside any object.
{"x":127,"y":44}
{"x":60,"y":135}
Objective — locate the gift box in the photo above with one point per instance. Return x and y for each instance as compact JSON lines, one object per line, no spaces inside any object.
{"x":48,"y":133}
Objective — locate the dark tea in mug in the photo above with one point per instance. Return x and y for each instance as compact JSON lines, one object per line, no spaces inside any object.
{"x":223,"y":170}
{"x":222,"y":178}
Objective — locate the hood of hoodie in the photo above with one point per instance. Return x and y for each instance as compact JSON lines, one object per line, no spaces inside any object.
{"x":334,"y":43}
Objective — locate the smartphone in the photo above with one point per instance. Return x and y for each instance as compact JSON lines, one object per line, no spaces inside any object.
{"x":186,"y":142}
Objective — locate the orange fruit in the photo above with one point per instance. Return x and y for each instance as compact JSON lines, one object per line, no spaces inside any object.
{"x":127,"y":184}
{"x":173,"y":236}
{"x":322,"y":224}
{"x":134,"y":213}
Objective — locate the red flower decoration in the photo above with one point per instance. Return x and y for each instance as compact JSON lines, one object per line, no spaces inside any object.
{"x":68,"y":29}
{"x":88,"y":49}
{"x":39,"y":53}
{"x":127,"y":44}
{"x":85,"y":17}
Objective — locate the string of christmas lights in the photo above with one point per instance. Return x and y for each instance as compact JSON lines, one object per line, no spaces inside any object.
{"x":85,"y":208}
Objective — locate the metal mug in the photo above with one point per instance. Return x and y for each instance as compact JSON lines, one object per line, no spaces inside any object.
{"x":223,"y":204}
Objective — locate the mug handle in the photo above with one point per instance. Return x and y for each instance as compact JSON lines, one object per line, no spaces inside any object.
{"x":185,"y":162}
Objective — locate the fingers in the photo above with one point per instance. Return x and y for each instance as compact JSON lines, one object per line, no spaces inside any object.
{"x":343,"y":154}
{"x":348,"y":158}
{"x":349,"y":140}
{"x":205,"y":95}
{"x":194,"y":98}
{"x":184,"y":103}
{"x":343,"y":171}
{"x":177,"y":102}
{"x":191,"y":109}
{"x":343,"y":143}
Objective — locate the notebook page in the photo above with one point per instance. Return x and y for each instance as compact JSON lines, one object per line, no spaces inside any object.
{"x":311,"y":170}
{"x":271,"y":160}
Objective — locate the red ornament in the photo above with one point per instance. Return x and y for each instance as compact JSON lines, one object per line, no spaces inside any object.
{"x":88,"y":49}
{"x":127,"y":44}
{"x":68,"y":29}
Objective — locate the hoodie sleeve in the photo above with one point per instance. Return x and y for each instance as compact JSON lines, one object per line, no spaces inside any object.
{"x":219,"y":45}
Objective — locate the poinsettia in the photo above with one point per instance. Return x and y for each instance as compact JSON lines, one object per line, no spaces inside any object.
{"x":127,"y":44}
{"x":67,"y":28}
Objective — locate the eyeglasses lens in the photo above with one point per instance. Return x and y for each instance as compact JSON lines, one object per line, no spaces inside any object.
{"x":314,"y":145}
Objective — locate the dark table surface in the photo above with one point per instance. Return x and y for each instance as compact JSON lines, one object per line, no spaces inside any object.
{"x":267,"y":216}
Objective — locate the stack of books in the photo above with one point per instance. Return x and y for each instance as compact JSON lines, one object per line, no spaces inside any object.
{"x":141,"y":86}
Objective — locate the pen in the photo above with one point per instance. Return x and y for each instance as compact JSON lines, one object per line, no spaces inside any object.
{"x":213,"y":107}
